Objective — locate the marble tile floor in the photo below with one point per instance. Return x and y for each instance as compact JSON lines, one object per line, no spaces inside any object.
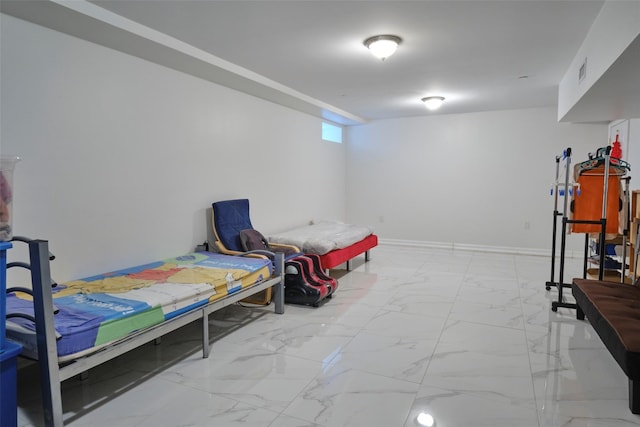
{"x":466,"y":337}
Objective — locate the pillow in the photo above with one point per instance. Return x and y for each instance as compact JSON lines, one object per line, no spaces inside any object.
{"x":253,"y":240}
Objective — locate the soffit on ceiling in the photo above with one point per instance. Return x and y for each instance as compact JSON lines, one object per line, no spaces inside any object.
{"x":475,"y":53}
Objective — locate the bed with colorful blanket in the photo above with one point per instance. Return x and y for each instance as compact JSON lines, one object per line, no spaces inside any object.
{"x":88,"y":321}
{"x":336,"y":242}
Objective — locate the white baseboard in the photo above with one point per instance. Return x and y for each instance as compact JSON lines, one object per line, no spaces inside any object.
{"x":477,"y":248}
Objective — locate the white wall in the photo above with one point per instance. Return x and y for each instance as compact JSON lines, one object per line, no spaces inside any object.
{"x":631,"y":130}
{"x":634,"y":146}
{"x":471,"y":179}
{"x":613,"y":31}
{"x":122,"y":157}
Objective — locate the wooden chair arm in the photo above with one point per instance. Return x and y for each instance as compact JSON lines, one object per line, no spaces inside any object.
{"x":226,"y":251}
{"x":283,"y":246}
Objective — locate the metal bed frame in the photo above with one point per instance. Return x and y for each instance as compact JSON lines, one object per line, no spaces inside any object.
{"x":53,"y":373}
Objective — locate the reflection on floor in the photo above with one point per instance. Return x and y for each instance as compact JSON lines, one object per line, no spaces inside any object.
{"x":416,"y":335}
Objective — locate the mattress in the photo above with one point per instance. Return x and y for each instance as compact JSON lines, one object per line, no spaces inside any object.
{"x":322,"y":237}
{"x":98,"y":310}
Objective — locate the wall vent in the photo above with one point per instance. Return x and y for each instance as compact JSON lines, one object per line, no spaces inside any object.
{"x":582,"y":72}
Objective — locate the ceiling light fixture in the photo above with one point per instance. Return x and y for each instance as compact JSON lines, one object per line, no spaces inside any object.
{"x":382,"y":46}
{"x":433,"y":102}
{"x":425,"y":419}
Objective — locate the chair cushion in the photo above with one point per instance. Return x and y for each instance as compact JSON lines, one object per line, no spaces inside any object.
{"x":230,"y":217}
{"x":253,"y":240}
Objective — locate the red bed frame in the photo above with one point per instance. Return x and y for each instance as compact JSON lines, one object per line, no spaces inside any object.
{"x":339,"y":256}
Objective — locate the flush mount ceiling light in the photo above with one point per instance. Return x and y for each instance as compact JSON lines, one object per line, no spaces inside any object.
{"x":425,"y":419}
{"x":433,"y":102}
{"x":382,"y":46}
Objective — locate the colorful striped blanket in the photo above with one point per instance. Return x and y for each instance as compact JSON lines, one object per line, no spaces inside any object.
{"x":99,"y":310}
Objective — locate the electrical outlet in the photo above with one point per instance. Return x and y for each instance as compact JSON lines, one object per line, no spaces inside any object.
{"x":527,"y":225}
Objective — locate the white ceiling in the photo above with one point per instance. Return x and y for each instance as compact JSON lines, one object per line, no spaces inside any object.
{"x":471,"y":52}
{"x":480,"y":55}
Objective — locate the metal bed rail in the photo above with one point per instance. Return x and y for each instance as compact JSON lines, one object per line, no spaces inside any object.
{"x":52,"y":373}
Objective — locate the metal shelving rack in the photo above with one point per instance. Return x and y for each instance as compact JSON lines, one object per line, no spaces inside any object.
{"x":568,"y":187}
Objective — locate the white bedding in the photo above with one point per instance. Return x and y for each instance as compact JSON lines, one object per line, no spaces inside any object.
{"x":322,"y":237}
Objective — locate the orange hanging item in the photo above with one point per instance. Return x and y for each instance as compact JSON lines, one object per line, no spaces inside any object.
{"x":587,"y":203}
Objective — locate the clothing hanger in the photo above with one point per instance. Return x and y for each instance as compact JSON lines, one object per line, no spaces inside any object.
{"x":619,"y":166}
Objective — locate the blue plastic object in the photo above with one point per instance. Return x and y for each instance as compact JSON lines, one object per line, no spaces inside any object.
{"x":3,"y":290}
{"x":8,"y":387}
{"x":561,"y":191}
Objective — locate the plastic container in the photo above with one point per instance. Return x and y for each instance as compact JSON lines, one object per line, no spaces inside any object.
{"x":8,"y":385}
{"x":6,"y":197}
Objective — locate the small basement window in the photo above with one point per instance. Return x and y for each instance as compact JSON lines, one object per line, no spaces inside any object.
{"x":331,"y":133}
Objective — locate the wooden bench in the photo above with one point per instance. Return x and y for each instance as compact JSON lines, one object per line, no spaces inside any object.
{"x":613,"y":309}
